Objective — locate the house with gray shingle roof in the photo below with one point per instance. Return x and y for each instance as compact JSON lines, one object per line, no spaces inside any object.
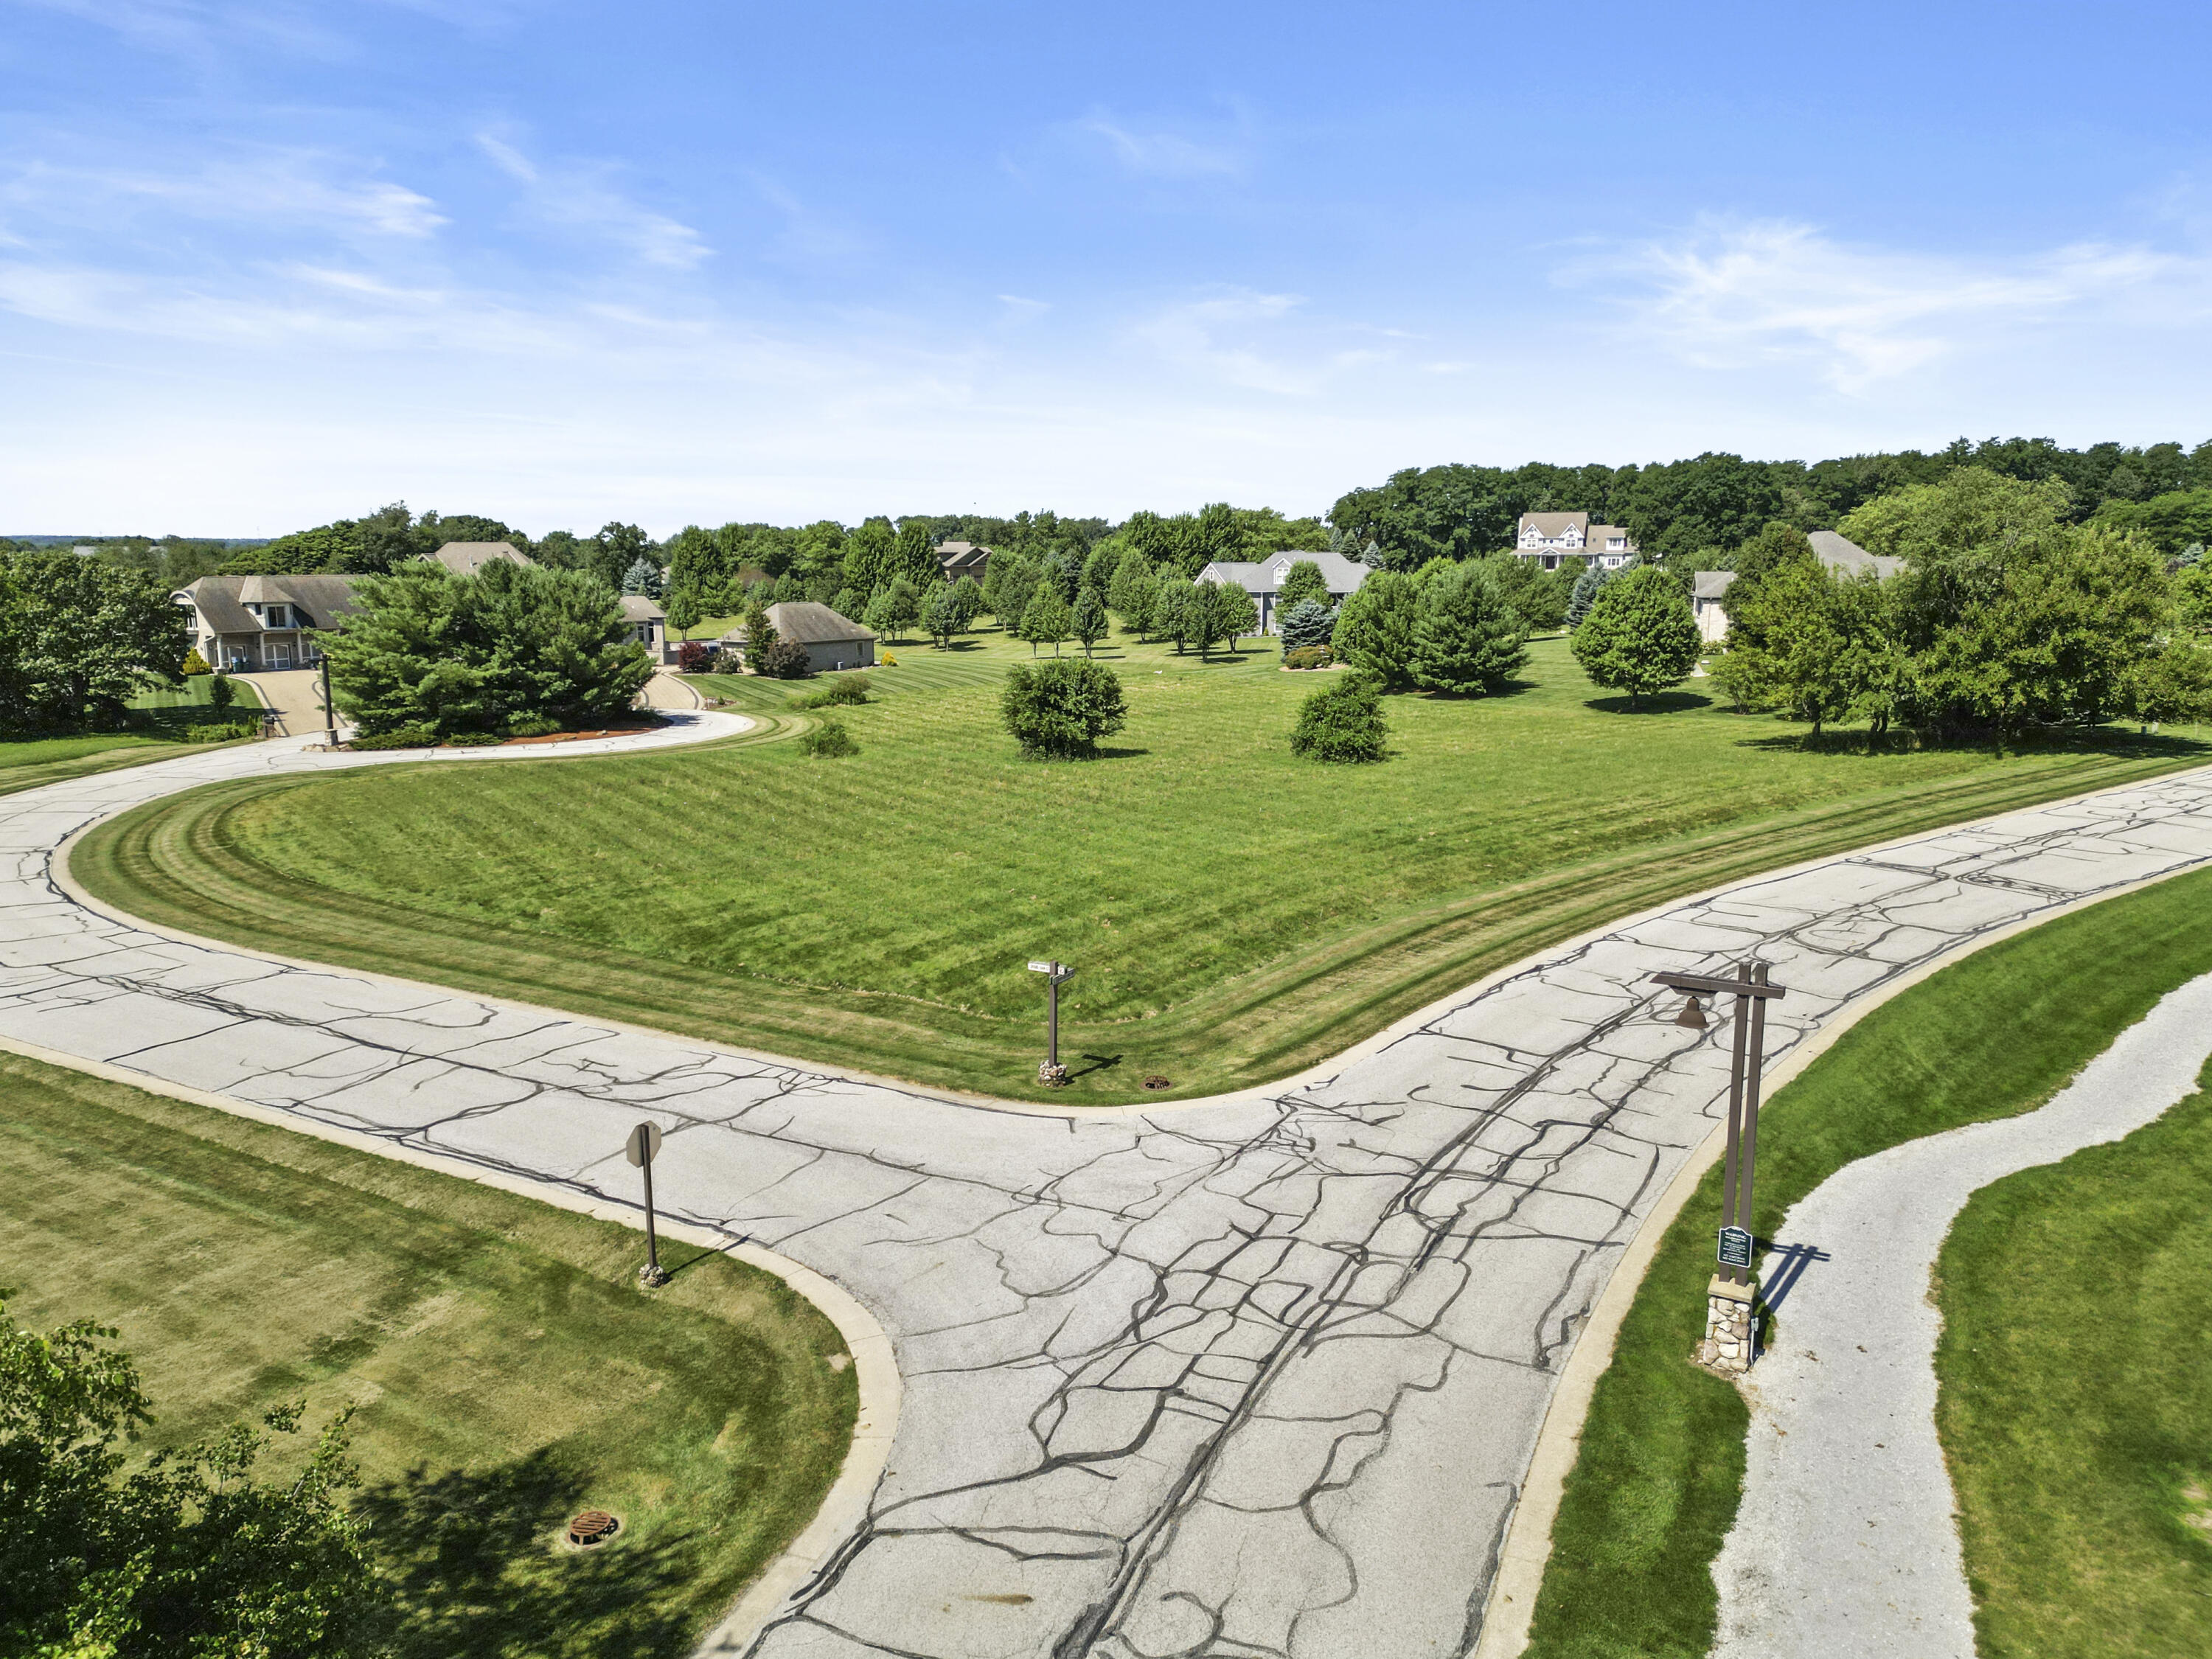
{"x":833,"y":642}
{"x":466,"y":558}
{"x":1709,"y":588}
{"x":247,"y":623}
{"x":1263,"y":579}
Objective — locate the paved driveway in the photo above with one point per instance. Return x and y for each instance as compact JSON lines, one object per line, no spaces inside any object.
{"x":1256,"y":1376}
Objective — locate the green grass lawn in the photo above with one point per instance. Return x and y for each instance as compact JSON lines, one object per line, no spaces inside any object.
{"x":1233,"y":912}
{"x":167,"y":716}
{"x":2076,"y":1409}
{"x":1656,"y":1487}
{"x":507,"y":1369}
{"x":198,"y":692}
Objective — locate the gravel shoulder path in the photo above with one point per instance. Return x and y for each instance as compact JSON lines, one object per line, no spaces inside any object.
{"x":1847,"y":1541}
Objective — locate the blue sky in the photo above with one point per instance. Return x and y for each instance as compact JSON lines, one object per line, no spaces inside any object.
{"x":265,"y":263}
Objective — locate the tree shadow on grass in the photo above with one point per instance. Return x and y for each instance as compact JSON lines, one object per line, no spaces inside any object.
{"x":1098,"y":1063}
{"x":2111,"y":740}
{"x":1505,"y":689}
{"x":1659,"y":702}
{"x":470,"y":1560}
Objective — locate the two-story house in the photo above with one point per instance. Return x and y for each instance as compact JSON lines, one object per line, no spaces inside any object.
{"x":1550,"y":537}
{"x":247,"y":623}
{"x":1263,"y":579}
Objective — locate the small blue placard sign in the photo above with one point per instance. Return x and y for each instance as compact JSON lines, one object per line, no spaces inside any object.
{"x":1735,"y":1247}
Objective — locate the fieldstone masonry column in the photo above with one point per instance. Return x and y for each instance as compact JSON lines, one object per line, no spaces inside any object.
{"x":1727,"y":1347}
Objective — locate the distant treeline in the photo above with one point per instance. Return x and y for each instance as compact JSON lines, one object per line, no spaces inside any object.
{"x":1689,"y":512}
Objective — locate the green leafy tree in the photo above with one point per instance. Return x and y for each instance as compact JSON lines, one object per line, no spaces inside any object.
{"x":1047,"y":620}
{"x":1060,"y":709}
{"x":1174,"y":598}
{"x":1100,"y":566}
{"x":1375,"y":629}
{"x":190,"y":1555}
{"x":852,"y":605}
{"x":944,"y":616}
{"x":609,"y":554}
{"x":79,"y":638}
{"x":916,"y":559}
{"x":1010,"y":585}
{"x":1088,"y":623}
{"x":1306,"y":624}
{"x":1816,"y":644}
{"x":221,"y":692}
{"x":1343,"y":723}
{"x":877,"y":613}
{"x":969,"y":595}
{"x":903,"y":606}
{"x":1639,"y":636}
{"x":2192,"y":596}
{"x":1470,"y":638}
{"x":1131,"y":593}
{"x":871,"y":556}
{"x":441,"y":654}
{"x":685,"y":610}
{"x":1235,"y":612}
{"x":1303,"y":581}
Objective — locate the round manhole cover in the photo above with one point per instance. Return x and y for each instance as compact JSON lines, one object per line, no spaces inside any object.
{"x":1157,"y":1082}
{"x":593,"y":1527}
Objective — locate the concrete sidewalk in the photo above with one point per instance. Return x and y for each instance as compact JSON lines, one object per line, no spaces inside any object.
{"x":1847,"y":1541}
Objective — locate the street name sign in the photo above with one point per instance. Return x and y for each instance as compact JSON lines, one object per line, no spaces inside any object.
{"x":1735,"y":1247}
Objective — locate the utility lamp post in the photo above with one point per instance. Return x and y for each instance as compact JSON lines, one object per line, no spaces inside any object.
{"x":1052,"y":1074}
{"x":330,"y":709}
{"x":1730,"y":1296}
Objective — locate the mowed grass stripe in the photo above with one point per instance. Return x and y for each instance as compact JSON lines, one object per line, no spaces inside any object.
{"x":1235,"y":913}
{"x":506,"y":1369}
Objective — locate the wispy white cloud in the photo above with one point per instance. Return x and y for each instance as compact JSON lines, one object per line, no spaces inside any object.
{"x":1733,"y":294}
{"x":1160,"y":152}
{"x":582,"y":199}
{"x":1216,"y":334}
{"x":291,"y":187}
{"x":198,"y":29}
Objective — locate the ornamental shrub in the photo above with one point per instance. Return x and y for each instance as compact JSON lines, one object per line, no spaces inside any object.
{"x":1058,"y":709}
{"x":221,"y":692}
{"x":839,"y":690}
{"x":399,"y":737}
{"x":692,"y":657}
{"x":1308,"y":623}
{"x":782,"y":659}
{"x":829,"y":740}
{"x":1342,"y":723}
{"x":1307,"y":656}
{"x":194,"y":663}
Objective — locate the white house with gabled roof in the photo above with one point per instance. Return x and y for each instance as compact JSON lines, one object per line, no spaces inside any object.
{"x":1263,"y":579}
{"x":1548,"y":538}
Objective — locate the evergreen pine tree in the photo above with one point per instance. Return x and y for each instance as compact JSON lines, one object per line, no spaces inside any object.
{"x":1594,"y":577}
{"x":1470,"y":639}
{"x":643,"y":577}
{"x":1307,"y":623}
{"x":1375,"y":628}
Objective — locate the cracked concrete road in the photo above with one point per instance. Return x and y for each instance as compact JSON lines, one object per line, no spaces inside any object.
{"x":1259,"y":1376}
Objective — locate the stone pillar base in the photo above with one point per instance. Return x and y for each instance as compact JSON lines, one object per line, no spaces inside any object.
{"x":1727,"y":1347}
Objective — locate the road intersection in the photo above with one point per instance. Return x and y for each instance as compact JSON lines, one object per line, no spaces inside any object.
{"x":1250,"y":1377}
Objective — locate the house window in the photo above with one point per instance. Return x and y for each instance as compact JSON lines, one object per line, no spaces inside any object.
{"x":277,"y":616}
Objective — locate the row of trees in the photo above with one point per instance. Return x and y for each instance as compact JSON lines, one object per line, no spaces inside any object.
{"x":1677,"y":509}
{"x":2005,"y":616}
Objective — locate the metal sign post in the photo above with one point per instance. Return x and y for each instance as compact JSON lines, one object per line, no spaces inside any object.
{"x":1052,"y":1074}
{"x":330,"y":709}
{"x":642,"y":1147}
